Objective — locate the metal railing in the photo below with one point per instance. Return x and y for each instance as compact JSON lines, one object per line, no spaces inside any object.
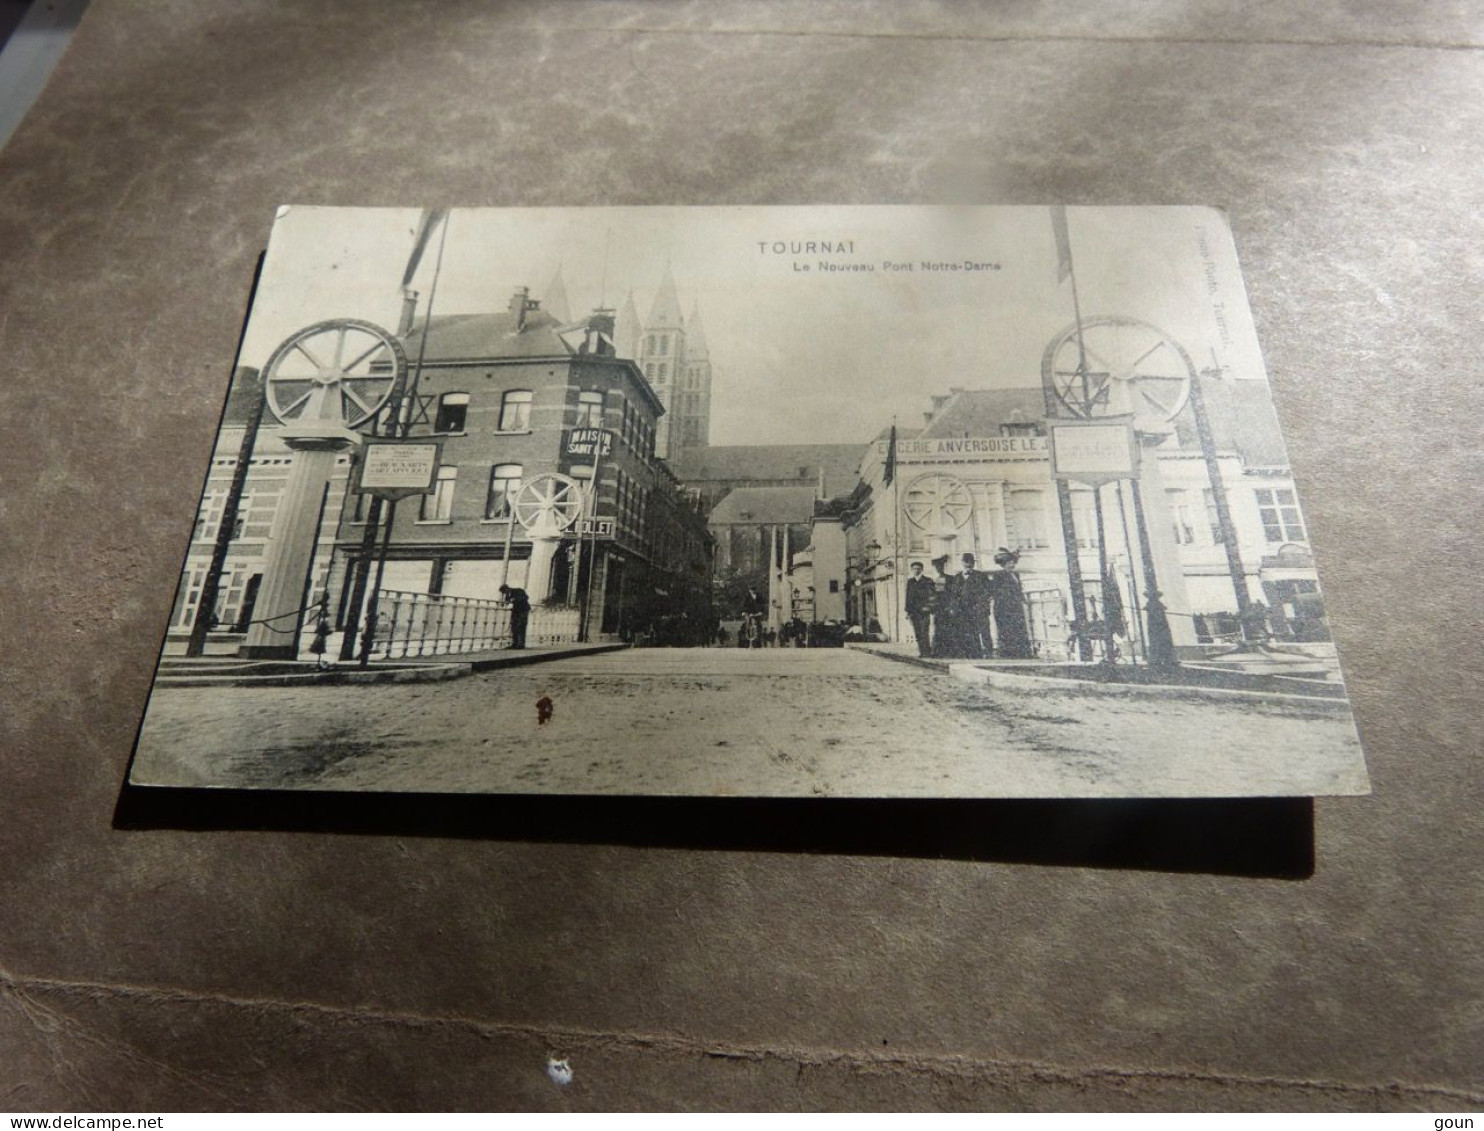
{"x":415,"y":625}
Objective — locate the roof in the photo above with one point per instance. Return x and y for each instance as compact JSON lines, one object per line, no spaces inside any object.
{"x":1241,"y":415}
{"x":765,"y":505}
{"x":245,"y":394}
{"x":1242,"y":419}
{"x":980,"y":412}
{"x":626,"y":332}
{"x":554,"y":298}
{"x":665,"y":313}
{"x":468,"y":337}
{"x":742,"y":462}
{"x":695,"y":336}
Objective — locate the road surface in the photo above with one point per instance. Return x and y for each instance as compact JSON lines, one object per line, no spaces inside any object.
{"x":731,"y":722}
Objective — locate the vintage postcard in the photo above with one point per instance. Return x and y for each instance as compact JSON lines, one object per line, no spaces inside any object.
{"x":769,"y":502}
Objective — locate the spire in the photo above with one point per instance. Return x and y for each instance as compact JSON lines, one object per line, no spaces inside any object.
{"x":665,"y":313}
{"x":627,"y":333}
{"x":554,"y":299}
{"x":695,"y":337}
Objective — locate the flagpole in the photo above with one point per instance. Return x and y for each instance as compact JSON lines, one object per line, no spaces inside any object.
{"x":399,"y":426}
{"x":592,"y":561}
{"x":896,"y":539}
{"x":1136,"y":625}
{"x":358,"y":577}
{"x":1097,"y":503}
{"x":1063,"y":490}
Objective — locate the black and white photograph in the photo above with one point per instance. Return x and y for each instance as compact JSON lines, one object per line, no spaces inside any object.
{"x":837,"y":502}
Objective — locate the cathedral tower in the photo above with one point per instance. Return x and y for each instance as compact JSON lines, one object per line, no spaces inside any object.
{"x":692,"y":400}
{"x":661,"y":355}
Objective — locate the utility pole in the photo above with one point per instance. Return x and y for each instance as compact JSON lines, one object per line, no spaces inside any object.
{"x":211,"y":586}
{"x":1218,"y":495}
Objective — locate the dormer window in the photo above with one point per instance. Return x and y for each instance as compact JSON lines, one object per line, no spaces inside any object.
{"x":1019,"y":428}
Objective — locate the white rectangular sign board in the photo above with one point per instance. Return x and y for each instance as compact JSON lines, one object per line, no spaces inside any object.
{"x":1093,"y":451}
{"x":393,"y":469}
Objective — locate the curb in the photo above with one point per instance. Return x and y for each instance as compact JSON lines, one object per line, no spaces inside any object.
{"x":423,"y":673}
{"x":410,"y":671}
{"x":1016,"y":681}
{"x":521,"y":659}
{"x":1013,"y":681}
{"x":903,"y":658}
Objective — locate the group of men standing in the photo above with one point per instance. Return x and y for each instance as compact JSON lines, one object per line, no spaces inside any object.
{"x":971,"y":614}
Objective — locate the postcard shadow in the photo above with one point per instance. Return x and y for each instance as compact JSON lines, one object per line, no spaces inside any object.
{"x":1257,"y":837}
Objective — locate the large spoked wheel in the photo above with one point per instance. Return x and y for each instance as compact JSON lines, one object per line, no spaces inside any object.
{"x":938,"y":504}
{"x":548,"y":503}
{"x":1119,"y":366}
{"x":354,"y":365}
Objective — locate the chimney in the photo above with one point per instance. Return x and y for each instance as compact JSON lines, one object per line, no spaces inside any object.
{"x":409,"y":309}
{"x":599,"y":337}
{"x":519,"y":304}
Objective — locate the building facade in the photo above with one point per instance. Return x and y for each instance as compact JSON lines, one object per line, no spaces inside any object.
{"x":509,"y":394}
{"x":976,"y":478}
{"x":258,"y":522}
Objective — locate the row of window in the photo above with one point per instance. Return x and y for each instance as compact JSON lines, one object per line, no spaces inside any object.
{"x":515,"y":411}
{"x":633,"y":503}
{"x":504,"y":485}
{"x":1027,"y":525}
{"x":636,"y":431}
{"x":515,"y":416}
{"x":632,"y":511}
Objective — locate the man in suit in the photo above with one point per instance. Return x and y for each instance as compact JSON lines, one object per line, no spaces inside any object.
{"x":520,"y":614}
{"x":920,"y":608}
{"x":976,"y":599}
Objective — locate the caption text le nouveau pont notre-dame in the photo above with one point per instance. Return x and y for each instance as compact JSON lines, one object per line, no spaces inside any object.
{"x":797,"y":248}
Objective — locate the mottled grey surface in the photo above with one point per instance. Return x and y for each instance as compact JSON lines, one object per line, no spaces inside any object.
{"x":160,"y":969}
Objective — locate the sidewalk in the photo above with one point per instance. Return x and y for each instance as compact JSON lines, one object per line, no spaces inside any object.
{"x":907,"y":654}
{"x":1196,"y":681}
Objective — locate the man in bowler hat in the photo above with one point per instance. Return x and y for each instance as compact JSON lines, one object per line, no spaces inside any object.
{"x":976,"y":599}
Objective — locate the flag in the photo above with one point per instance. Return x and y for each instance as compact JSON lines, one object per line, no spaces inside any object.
{"x":1063,"y":242}
{"x":890,"y":471}
{"x":1113,"y":605}
{"x":425,"y":224}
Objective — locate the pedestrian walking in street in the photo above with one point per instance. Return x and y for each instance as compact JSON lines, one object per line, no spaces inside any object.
{"x":920,"y":595}
{"x":520,"y":614}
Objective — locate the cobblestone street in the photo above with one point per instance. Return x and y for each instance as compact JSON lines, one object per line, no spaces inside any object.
{"x":773,"y":722}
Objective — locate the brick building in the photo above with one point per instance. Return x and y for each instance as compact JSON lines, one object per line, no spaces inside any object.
{"x":505,"y":390}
